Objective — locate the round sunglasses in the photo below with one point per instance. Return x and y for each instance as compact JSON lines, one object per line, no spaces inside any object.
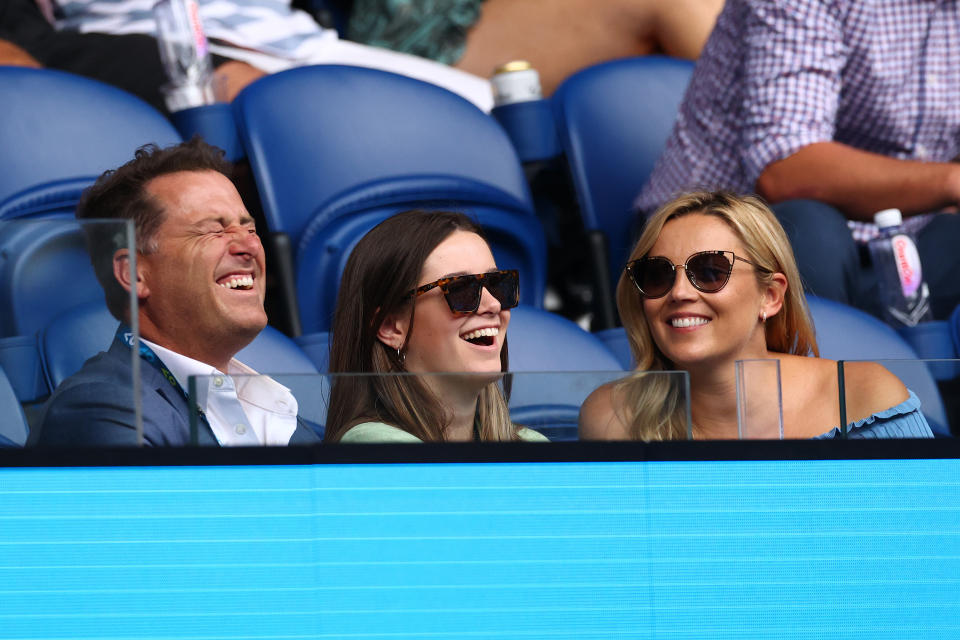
{"x":708,"y":271}
{"x":463,"y":292}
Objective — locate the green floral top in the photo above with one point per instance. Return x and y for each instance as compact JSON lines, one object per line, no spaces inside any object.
{"x":435,"y":29}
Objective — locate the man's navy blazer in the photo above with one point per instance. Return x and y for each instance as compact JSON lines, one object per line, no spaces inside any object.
{"x":94,"y":408}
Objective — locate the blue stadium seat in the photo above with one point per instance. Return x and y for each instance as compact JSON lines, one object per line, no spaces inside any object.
{"x":616,"y":340}
{"x":44,"y":269}
{"x":845,"y":333}
{"x":559,"y":364}
{"x":13,"y":422}
{"x":543,"y":341}
{"x":932,"y":340}
{"x":20,"y":359}
{"x":955,"y":329}
{"x":60,"y":131}
{"x":317,"y":347}
{"x":614,"y":119}
{"x":71,"y":338}
{"x":336,"y":149}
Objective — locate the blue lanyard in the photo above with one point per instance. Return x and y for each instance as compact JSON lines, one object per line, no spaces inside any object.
{"x":125,"y":337}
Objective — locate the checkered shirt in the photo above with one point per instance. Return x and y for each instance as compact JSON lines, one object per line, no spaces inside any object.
{"x":777,"y":75}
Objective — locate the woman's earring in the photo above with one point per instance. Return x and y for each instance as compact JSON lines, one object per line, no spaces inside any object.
{"x":400,"y":356}
{"x":763,"y":316}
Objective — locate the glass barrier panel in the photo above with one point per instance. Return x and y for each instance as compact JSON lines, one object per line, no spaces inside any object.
{"x":759,"y":400}
{"x":243,"y":410}
{"x":898,"y":398}
{"x":64,"y":285}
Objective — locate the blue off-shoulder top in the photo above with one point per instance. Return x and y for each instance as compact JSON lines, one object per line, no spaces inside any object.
{"x":904,"y":420}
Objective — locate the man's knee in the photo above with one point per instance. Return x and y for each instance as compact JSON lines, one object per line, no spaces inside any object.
{"x":937,"y":245}
{"x":809,"y":223}
{"x":826,"y":254}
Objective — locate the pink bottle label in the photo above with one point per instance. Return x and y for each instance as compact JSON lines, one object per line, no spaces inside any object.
{"x":908,"y":264}
{"x":197,"y":25}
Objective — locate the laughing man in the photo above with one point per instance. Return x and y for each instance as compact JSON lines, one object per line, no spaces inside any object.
{"x":200,"y":286}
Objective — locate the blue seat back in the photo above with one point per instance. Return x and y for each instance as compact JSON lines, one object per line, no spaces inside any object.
{"x":13,"y":422}
{"x":543,"y":341}
{"x":61,"y":129}
{"x":71,"y":338}
{"x":845,"y":333}
{"x":560,"y":422}
{"x":559,"y":365}
{"x":272,"y":352}
{"x":315,"y":134}
{"x":955,"y":329}
{"x":330,"y":143}
{"x":44,"y":269}
{"x":317,"y":347}
{"x":614,"y":119}
{"x":20,"y":358}
{"x":616,"y":341}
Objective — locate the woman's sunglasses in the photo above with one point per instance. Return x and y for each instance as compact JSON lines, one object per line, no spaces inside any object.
{"x":463,"y":292}
{"x":708,"y":271}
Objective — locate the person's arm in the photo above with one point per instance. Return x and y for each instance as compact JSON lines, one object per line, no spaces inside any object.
{"x":682,"y":26}
{"x":869,"y":388}
{"x":599,"y":418}
{"x":12,"y":55}
{"x":794,"y":56}
{"x":860,"y":183}
{"x":89,"y":415}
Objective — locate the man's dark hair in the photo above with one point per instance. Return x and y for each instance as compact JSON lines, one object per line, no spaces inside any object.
{"x":121,"y":194}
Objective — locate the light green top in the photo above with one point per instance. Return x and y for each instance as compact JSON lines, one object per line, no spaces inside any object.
{"x":380,"y":432}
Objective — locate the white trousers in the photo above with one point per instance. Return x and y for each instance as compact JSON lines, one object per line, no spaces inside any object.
{"x":331,"y":50}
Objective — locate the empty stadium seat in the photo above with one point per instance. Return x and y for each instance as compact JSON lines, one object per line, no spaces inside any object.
{"x":336,"y":149}
{"x":13,"y":423}
{"x":60,"y":131}
{"x":616,"y":341}
{"x":559,"y":365}
{"x":614,"y":119}
{"x":44,"y":269}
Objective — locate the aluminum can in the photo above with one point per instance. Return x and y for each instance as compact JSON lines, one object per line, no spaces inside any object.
{"x":515,"y":81}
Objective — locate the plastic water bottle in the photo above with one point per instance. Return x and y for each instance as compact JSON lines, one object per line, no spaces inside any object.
{"x":904,"y":294}
{"x":185,"y":54}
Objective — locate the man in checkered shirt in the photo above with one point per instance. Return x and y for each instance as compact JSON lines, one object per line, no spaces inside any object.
{"x":834,"y":109}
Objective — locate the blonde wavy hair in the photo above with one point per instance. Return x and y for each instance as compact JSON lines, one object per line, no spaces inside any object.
{"x":653,"y":405}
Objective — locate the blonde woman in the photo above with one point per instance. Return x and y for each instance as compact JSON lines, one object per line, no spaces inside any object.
{"x":713,"y":280}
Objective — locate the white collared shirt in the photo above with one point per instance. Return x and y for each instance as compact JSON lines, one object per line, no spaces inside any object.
{"x":251,"y":410}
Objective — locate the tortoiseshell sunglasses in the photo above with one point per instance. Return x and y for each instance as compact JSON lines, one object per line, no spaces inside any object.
{"x":463,"y":292}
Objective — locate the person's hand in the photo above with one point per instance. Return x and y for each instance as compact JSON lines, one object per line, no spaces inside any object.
{"x":12,"y":55}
